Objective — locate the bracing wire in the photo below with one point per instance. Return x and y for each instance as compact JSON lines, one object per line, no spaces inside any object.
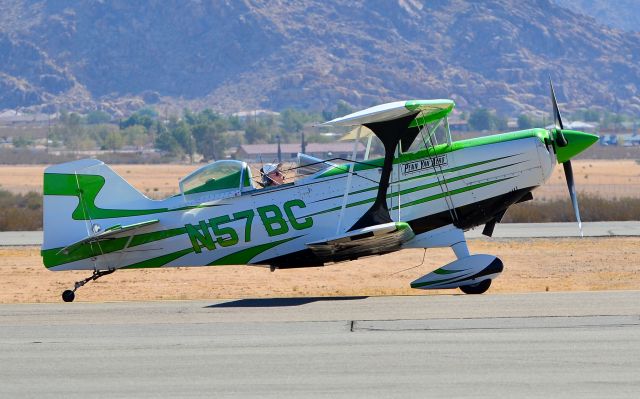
{"x":448,"y":197}
{"x":424,"y":255}
{"x":444,"y":189}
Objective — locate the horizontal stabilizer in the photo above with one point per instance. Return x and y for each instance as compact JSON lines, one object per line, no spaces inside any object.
{"x":469,"y":270}
{"x":106,"y":234}
{"x":373,"y":240}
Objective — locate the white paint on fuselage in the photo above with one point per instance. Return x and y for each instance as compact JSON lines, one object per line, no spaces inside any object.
{"x":519,"y":164}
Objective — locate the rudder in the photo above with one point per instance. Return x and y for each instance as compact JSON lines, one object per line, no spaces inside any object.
{"x":79,"y":195}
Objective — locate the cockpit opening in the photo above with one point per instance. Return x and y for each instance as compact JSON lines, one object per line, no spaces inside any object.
{"x":219,"y":176}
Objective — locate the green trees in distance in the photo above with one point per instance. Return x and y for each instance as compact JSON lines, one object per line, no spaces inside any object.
{"x":98,"y":117}
{"x":22,"y":142}
{"x":144,"y":117}
{"x":113,"y":140}
{"x":525,"y":122}
{"x":210,"y":134}
{"x":483,"y":119}
{"x":342,"y":108}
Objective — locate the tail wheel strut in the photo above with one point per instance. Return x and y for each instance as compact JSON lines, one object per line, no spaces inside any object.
{"x":70,"y":295}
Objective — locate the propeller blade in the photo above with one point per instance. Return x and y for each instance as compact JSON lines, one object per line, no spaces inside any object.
{"x":568,"y":173}
{"x":557,"y":119}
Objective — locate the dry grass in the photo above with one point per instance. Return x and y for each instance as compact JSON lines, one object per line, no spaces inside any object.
{"x":530,"y":265}
{"x":604,"y":178}
{"x":592,"y":209}
{"x":20,"y":211}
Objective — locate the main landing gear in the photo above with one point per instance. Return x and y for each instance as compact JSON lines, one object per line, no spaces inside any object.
{"x":70,"y":295}
{"x":475,"y":289}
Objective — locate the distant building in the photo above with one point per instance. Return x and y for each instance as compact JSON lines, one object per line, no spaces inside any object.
{"x":256,"y":113}
{"x":269,"y":152}
{"x":608,"y":139}
{"x":458,"y":125}
{"x":578,"y":125}
{"x":626,"y":140}
{"x":11,"y":117}
{"x":630,"y":140}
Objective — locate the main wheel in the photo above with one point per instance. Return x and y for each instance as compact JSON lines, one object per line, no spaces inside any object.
{"x":475,"y":289}
{"x":68,"y":296}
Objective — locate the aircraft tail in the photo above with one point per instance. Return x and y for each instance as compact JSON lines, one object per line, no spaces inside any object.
{"x":85,"y":197}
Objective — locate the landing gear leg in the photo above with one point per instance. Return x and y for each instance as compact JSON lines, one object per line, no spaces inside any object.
{"x":70,"y":295}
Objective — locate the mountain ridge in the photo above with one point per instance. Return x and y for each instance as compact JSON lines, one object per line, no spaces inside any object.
{"x":241,"y":55}
{"x":621,"y":14}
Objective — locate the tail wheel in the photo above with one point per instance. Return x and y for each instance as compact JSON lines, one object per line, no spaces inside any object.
{"x":68,"y":296}
{"x":475,"y":289}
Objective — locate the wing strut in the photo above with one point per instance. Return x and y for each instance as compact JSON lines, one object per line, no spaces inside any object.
{"x":391,"y":133}
{"x":348,"y":188}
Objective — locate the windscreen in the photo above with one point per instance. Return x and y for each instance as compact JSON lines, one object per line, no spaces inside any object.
{"x":309,"y":165}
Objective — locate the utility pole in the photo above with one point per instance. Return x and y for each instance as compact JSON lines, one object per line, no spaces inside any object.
{"x":279,"y":150}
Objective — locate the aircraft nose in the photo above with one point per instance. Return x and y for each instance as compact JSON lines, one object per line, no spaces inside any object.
{"x":576,"y":143}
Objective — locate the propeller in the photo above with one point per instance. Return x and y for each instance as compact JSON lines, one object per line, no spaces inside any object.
{"x":561,"y":141}
{"x":568,"y":173}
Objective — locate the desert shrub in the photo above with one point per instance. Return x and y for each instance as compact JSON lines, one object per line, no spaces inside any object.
{"x":20,"y":211}
{"x":592,"y":209}
{"x":27,"y":156}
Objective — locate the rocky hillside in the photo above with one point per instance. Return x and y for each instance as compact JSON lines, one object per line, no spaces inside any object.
{"x":237,"y":55}
{"x":619,"y":14}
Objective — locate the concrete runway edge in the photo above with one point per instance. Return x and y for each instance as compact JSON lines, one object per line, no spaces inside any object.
{"x":584,"y":344}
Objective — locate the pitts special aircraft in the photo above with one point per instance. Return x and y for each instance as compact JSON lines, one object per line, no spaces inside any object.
{"x":421,"y":194}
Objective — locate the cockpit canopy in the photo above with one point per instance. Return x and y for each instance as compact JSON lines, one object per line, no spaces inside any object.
{"x":220,"y":176}
{"x":309,"y":165}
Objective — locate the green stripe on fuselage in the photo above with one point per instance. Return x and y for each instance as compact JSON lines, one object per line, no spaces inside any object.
{"x":244,"y":256}
{"x":241,"y":257}
{"x":419,"y":201}
{"x":424,"y":176}
{"x":452,"y":192}
{"x":422,"y":187}
{"x":160,"y":260}
{"x":51,"y":257}
{"x":445,"y":148}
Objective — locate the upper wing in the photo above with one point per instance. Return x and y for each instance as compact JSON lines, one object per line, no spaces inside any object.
{"x":429,"y":110}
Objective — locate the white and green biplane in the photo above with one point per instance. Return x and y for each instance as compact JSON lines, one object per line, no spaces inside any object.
{"x":424,"y":193}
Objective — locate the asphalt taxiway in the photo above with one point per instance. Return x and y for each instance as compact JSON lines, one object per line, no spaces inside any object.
{"x":514,"y":345}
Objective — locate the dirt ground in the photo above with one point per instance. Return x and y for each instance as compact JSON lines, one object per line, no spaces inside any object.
{"x":530,"y":265}
{"x":607,"y":178}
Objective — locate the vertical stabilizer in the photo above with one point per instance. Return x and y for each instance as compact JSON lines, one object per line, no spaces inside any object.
{"x":84,"y":197}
